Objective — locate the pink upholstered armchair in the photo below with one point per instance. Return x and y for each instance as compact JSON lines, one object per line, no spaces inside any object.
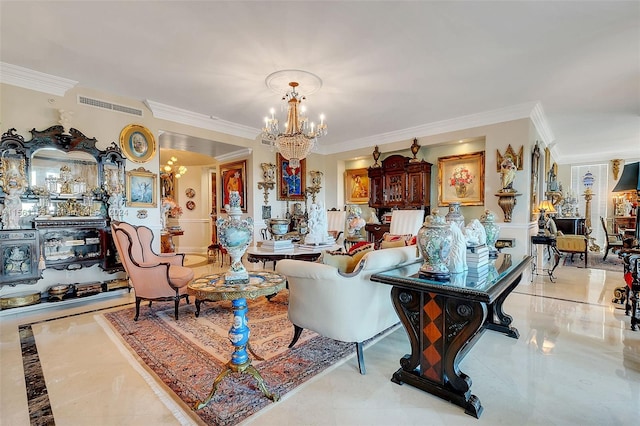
{"x":153,"y":276}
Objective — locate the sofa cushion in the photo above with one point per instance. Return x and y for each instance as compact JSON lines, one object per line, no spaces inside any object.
{"x":391,"y":244}
{"x":345,"y":262}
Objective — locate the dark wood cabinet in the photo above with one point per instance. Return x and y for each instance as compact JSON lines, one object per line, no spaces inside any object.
{"x":19,"y":251}
{"x":570,"y":225}
{"x":400,"y":183}
{"x":375,"y":231}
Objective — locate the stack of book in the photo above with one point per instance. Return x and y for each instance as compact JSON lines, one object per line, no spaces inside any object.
{"x":277,"y":245}
{"x":478,"y":256}
{"x":478,"y":263}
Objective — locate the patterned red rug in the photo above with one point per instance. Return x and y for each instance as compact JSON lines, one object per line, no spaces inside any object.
{"x":188,"y":354}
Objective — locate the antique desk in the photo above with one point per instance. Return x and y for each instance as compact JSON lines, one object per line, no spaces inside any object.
{"x":444,"y":320}
{"x":213,"y":287}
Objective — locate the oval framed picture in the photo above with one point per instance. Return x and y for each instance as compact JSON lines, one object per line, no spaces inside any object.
{"x":190,"y":192}
{"x":191,"y":205}
{"x":137,"y":143}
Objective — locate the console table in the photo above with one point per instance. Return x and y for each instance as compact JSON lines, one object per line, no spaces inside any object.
{"x":445,"y":319}
{"x":550,"y":243}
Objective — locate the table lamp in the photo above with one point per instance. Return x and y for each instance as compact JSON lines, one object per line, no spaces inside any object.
{"x":630,"y":181}
{"x":545,"y":206}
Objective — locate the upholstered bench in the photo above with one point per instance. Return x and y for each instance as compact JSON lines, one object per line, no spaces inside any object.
{"x":573,"y":244}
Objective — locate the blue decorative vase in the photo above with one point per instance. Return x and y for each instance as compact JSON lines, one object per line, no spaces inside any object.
{"x":434,"y":242}
{"x":235,"y":235}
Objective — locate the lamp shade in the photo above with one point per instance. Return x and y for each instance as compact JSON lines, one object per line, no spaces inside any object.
{"x":630,"y":179}
{"x":547,"y":206}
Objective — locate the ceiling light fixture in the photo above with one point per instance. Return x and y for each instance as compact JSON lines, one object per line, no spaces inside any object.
{"x":299,"y":136}
{"x":172,"y":166}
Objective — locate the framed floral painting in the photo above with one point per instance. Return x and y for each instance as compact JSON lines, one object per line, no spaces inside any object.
{"x":461,"y":179}
{"x":291,"y":182}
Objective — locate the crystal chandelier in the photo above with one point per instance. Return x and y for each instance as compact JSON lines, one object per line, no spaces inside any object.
{"x":299,"y":136}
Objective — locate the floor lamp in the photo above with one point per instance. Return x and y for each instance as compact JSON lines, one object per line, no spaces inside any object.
{"x":630,"y":181}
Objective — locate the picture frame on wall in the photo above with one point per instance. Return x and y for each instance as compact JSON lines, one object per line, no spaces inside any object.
{"x":137,"y":143}
{"x":234,"y":178}
{"x":461,"y":179}
{"x":291,"y":182}
{"x":356,"y":186}
{"x":141,"y":188}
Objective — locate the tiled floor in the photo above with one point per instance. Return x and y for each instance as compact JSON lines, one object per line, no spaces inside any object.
{"x":576,"y":362}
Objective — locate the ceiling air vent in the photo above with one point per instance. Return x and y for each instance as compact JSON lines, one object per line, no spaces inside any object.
{"x":97,"y":103}
{"x":266,"y":142}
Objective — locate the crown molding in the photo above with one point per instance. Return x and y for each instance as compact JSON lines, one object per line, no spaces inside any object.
{"x":539,"y":120}
{"x":244,"y":152}
{"x":15,"y":75}
{"x":486,"y":118}
{"x":183,"y":116}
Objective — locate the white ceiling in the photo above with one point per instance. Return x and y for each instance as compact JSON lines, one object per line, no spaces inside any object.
{"x":391,"y":70}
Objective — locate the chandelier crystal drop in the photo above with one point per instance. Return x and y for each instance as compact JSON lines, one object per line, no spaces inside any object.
{"x":299,"y":136}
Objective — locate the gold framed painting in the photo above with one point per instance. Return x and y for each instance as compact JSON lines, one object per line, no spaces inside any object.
{"x":291,"y":182}
{"x":141,"y":188}
{"x":234,"y":178}
{"x":356,"y":186}
{"x":461,"y":179}
{"x":137,"y":143}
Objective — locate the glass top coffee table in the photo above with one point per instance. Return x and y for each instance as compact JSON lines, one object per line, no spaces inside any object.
{"x":213,"y":287}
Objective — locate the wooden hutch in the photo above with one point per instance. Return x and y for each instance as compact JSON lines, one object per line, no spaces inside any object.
{"x":398,"y":183}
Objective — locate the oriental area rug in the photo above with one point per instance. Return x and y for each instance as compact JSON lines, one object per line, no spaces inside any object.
{"x":594,"y":261}
{"x":187,"y":355}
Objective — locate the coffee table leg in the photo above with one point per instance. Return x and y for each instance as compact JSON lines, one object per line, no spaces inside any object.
{"x":198,"y":302}
{"x":240,"y":361}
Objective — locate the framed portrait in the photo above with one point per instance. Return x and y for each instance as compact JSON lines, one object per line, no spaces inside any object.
{"x":234,"y":178}
{"x":137,"y":143}
{"x":356,"y":186}
{"x":141,"y":188}
{"x":291,"y":182}
{"x":461,"y":179}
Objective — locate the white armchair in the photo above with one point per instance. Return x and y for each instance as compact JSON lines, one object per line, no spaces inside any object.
{"x":336,"y":223}
{"x":345,"y":307}
{"x":406,"y":222}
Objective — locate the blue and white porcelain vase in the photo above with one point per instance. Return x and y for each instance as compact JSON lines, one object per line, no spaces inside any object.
{"x":235,"y":235}
{"x":434,"y":242}
{"x":454,"y":215}
{"x":488,"y":220}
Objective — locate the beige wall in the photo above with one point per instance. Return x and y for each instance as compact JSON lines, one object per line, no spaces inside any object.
{"x":26,"y":109}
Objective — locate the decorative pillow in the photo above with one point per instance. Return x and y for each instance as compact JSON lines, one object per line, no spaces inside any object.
{"x":357,"y":246}
{"x":396,"y":237}
{"x":390,"y":244}
{"x":345,"y":262}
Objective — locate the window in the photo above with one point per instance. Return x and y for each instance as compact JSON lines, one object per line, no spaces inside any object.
{"x":599,"y":202}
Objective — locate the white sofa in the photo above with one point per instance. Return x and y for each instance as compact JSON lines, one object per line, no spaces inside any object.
{"x":345,"y":307}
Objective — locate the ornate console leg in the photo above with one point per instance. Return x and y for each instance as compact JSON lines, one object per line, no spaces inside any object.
{"x":439,"y":342}
{"x":497,"y":319}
